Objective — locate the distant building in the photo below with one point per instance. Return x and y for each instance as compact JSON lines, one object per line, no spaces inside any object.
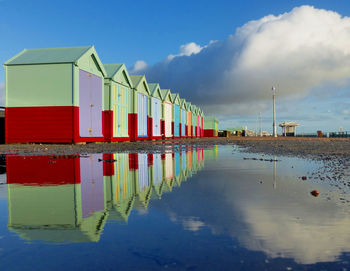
{"x":289,"y":128}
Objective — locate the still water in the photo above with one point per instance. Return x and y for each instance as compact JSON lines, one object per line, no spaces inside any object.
{"x":213,"y":208}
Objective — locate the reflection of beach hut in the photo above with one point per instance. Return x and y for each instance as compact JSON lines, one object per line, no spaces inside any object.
{"x":117,"y":100}
{"x":168,"y":171}
{"x":140,"y":172}
{"x":183,"y":117}
{"x":166,"y":113}
{"x":210,"y":126}
{"x":176,"y":115}
{"x":177,"y":167}
{"x":156,"y":111}
{"x":69,"y":203}
{"x":120,"y":190}
{"x":54,"y":95}
{"x":140,"y":108}
{"x":157,"y":177}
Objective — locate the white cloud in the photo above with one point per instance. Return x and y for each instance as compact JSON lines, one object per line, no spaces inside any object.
{"x":139,"y":66}
{"x":298,"y":51}
{"x":186,"y":50}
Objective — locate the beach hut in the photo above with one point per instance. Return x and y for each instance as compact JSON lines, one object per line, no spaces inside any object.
{"x":156,"y":110}
{"x":183,"y":118}
{"x":139,"y":118}
{"x":194,"y":119}
{"x":176,"y":128}
{"x":167,"y":108}
{"x":201,"y":123}
{"x":54,"y":198}
{"x":189,"y":119}
{"x":198,"y":122}
{"x":54,"y":95}
{"x":118,"y":91}
{"x":210,"y":126}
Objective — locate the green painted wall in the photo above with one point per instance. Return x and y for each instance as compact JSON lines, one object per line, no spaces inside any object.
{"x":38,"y":85}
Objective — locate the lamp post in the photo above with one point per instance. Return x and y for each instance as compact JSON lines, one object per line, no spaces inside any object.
{"x":274,"y":111}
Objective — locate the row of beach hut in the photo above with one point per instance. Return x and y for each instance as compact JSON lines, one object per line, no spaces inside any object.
{"x":66,"y":95}
{"x":75,"y":196}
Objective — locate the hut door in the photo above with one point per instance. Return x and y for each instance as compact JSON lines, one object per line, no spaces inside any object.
{"x":142,"y":171}
{"x":92,"y":188}
{"x":183,"y":122}
{"x":189,"y":123}
{"x":156,"y":116}
{"x":176,"y":120}
{"x":141,"y":115}
{"x":194,"y":122}
{"x":198,"y":126}
{"x":90,"y":105}
{"x":167,"y":116}
{"x":120,"y":111}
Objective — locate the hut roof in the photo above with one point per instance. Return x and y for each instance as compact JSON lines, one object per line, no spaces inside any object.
{"x":137,"y":80}
{"x":48,"y":55}
{"x":118,"y":72}
{"x":155,"y":90}
{"x":53,"y":55}
{"x":166,"y":94}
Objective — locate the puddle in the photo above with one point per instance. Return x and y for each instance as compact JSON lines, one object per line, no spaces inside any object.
{"x":190,"y":208}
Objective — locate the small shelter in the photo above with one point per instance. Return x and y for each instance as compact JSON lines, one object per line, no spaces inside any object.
{"x":289,"y":128}
{"x":183,"y":118}
{"x":189,"y":119}
{"x":211,"y":126}
{"x":176,"y":115}
{"x":167,"y":109}
{"x":139,"y":117}
{"x":118,"y":92}
{"x":198,"y":125}
{"x":156,"y":111}
{"x":54,"y":95}
{"x":194,"y":119}
{"x":201,"y":115}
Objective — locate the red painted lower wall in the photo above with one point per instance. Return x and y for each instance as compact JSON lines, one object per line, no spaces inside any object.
{"x":39,"y":124}
{"x":43,"y":170}
{"x":107,"y":120}
{"x":45,"y":124}
{"x":150,"y":127}
{"x":162,"y":128}
{"x":209,"y":133}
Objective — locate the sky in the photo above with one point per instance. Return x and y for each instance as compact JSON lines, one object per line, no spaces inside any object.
{"x":223,"y":56}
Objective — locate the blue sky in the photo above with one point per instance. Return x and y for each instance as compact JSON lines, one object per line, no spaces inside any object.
{"x":129,"y":31}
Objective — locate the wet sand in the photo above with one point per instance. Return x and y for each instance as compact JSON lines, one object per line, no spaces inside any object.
{"x":320,"y":148}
